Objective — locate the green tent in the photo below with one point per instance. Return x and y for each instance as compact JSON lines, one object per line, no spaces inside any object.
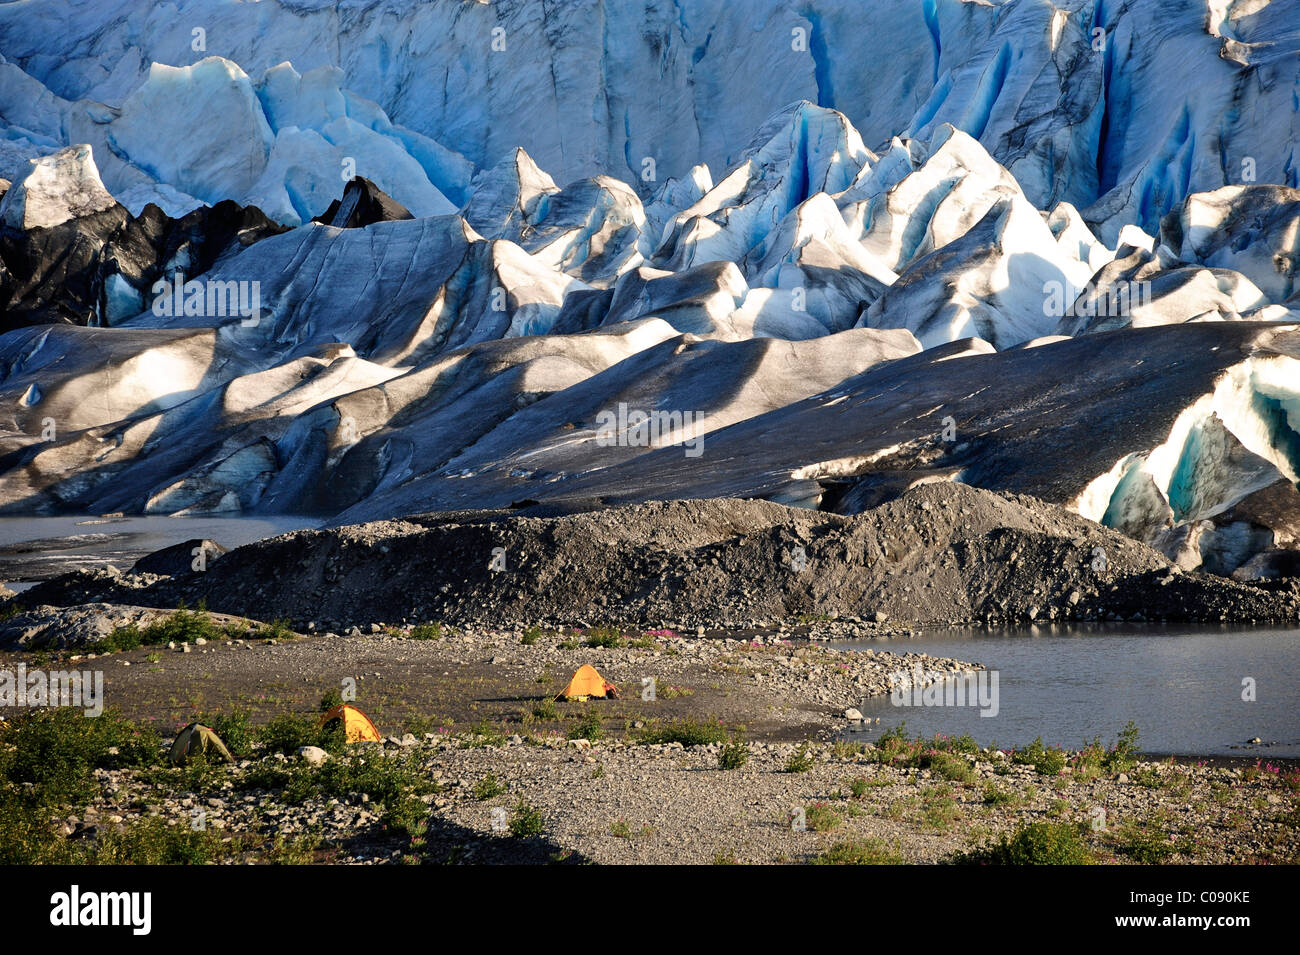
{"x":198,"y":740}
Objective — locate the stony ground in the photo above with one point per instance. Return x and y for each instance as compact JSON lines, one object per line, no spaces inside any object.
{"x":612,"y":801}
{"x":680,"y":807}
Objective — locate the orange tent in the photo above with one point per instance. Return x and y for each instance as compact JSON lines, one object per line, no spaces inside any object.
{"x":356,"y":725}
{"x":587,"y":682}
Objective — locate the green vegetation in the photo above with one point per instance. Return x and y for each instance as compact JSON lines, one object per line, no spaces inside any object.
{"x":526,"y":820}
{"x":993,"y":796}
{"x":288,"y":732}
{"x":392,"y":784}
{"x":1037,"y":843}
{"x":1147,"y":777}
{"x":859,"y":852}
{"x":291,"y":850}
{"x":183,"y":626}
{"x":605,"y":638}
{"x":180,"y":626}
{"x":949,"y":766}
{"x":800,"y":761}
{"x":734,"y":753}
{"x":155,"y":841}
{"x":1147,"y":844}
{"x":489,"y":787}
{"x":546,"y":711}
{"x":1095,"y":759}
{"x":687,"y":731}
{"x":939,"y":810}
{"x":942,"y":753}
{"x":277,"y":629}
{"x":821,"y":817}
{"x":620,"y":829}
{"x":48,"y":760}
{"x":483,"y":734}
{"x":674,"y":692}
{"x":234,"y":729}
{"x":1047,"y":760}
{"x":844,"y":749}
{"x":51,"y":755}
{"x":589,"y":727}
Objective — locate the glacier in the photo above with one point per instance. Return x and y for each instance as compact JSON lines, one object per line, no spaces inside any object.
{"x":1047,"y":248}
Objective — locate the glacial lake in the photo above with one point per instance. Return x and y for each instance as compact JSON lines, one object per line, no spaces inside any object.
{"x":1182,"y":686}
{"x":38,"y":548}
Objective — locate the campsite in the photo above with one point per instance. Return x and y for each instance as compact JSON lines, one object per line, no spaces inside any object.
{"x":481,"y":745}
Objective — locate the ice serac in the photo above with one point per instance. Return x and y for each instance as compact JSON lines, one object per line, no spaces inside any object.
{"x":801,"y":151}
{"x":165,"y":126}
{"x":927,"y":195}
{"x":1253,"y":230}
{"x":510,"y":198}
{"x":1219,"y":420}
{"x":590,"y":229}
{"x":399,"y":292}
{"x":284,"y":143}
{"x":816,"y":259}
{"x":377,"y":442}
{"x":699,"y":385}
{"x":1027,"y":82}
{"x":1121,"y":109}
{"x":57,"y":188}
{"x":1199,"y":96}
{"x":671,"y":198}
{"x":994,"y":283}
{"x":54,"y":223}
{"x":700,"y":300}
{"x":1141,"y":289}
{"x":1236,"y":441}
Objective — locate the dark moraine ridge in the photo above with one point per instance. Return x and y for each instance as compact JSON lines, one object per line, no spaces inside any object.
{"x":940,"y":554}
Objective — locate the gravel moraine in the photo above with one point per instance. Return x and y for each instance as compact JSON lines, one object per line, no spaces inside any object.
{"x":940,"y":554}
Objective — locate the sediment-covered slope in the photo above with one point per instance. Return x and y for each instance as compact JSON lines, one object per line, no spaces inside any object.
{"x":1143,"y":430}
{"x":940,"y":554}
